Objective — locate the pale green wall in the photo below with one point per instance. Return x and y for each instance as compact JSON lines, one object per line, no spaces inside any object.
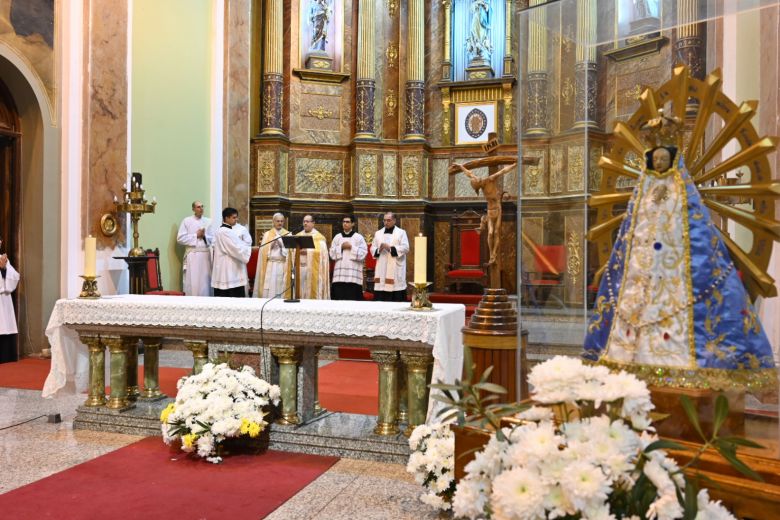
{"x":170,"y":117}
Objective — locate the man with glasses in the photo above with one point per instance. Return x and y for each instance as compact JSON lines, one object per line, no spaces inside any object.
{"x":315,"y":265}
{"x":390,"y":247}
{"x":349,"y":250}
{"x":196,"y":236}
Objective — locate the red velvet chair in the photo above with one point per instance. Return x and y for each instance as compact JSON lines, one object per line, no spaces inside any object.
{"x":368,"y":275}
{"x":251,"y":269}
{"x":468,"y":252}
{"x":154,"y":277}
{"x":541,"y":284}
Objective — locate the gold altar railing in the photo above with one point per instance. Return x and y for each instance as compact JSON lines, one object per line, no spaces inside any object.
{"x":403,"y":368}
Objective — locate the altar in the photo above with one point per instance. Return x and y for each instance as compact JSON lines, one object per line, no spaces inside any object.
{"x":403,"y":342}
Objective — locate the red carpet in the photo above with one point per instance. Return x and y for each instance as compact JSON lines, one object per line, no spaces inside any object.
{"x":354,"y":353}
{"x":27,"y":374}
{"x":350,"y":386}
{"x":148,"y":480}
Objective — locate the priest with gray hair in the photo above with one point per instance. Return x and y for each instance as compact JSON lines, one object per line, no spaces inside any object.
{"x":271,"y":275}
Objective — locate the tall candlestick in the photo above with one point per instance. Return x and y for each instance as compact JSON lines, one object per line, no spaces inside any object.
{"x":420,"y":259}
{"x":90,"y":251}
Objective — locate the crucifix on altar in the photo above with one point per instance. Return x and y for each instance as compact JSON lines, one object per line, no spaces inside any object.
{"x":498,"y":166}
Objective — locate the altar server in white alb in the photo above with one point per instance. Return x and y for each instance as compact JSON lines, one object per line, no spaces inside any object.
{"x":228,"y":276}
{"x":390,"y":247}
{"x":196,"y":236}
{"x":271,"y":274}
{"x":242,"y":233}
{"x":349,"y":250}
{"x":315,"y":264}
{"x":8,"y":329}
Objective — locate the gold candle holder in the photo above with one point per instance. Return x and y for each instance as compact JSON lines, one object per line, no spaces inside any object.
{"x":134,"y":204}
{"x":89,"y":287}
{"x":420,"y":301}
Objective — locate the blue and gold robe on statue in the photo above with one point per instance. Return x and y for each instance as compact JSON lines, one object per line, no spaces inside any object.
{"x":671,"y":306}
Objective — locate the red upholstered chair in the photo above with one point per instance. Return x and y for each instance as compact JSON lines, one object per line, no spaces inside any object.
{"x":468,"y":252}
{"x":251,"y":268}
{"x":368,"y":274}
{"x":541,"y":284}
{"x":154,"y":277}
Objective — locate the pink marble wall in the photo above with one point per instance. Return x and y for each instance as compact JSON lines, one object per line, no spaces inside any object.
{"x":236,"y":92}
{"x":105,"y":104}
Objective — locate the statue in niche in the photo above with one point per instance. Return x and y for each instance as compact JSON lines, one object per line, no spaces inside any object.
{"x":641,"y":9}
{"x":320,"y":12}
{"x":478,"y":43}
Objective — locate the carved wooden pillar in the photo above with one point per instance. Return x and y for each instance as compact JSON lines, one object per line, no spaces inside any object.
{"x":690,"y":38}
{"x":415,"y":73}
{"x":366,"y":72}
{"x":273,"y":82}
{"x":509,"y":62}
{"x":585,"y":68}
{"x":446,"y":64}
{"x":537,"y":71}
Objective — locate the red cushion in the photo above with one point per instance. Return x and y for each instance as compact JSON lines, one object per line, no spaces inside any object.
{"x":251,"y":266}
{"x":466,"y":299}
{"x":368,"y":296}
{"x":555,"y":256}
{"x":469,"y":247}
{"x":370,"y":260}
{"x":166,"y":293}
{"x":466,"y":273}
{"x":151,"y":272}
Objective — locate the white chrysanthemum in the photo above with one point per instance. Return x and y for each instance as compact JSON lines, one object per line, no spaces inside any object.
{"x":471,"y":496}
{"x":659,"y":477}
{"x":585,"y":485}
{"x":711,"y":510}
{"x":536,"y":413}
{"x":518,"y":494}
{"x":665,"y":507}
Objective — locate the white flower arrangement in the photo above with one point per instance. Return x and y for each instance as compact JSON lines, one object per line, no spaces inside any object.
{"x":595,"y":457}
{"x":216,"y":404}
{"x":432,"y":463}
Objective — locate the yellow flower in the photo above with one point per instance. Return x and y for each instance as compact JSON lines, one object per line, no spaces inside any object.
{"x":188,"y":440}
{"x":255,"y":429}
{"x":166,"y":412}
{"x":245,"y":425}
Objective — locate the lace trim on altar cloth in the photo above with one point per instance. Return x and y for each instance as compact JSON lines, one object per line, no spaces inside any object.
{"x":704,"y":378}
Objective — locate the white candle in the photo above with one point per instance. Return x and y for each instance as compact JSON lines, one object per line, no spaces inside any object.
{"x":90,"y":250}
{"x":154,"y":199}
{"x":115,"y":199}
{"x":420,"y":259}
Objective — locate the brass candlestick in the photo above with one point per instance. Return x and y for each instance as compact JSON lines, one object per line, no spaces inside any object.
{"x":89,"y":287}
{"x":420,"y":301}
{"x":134,"y":203}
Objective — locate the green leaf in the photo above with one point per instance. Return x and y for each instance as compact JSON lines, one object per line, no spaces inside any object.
{"x":739,"y":441}
{"x":691,"y":505}
{"x":491,"y":387}
{"x":721,"y":413}
{"x":442,"y":386}
{"x":663,"y":444}
{"x":486,"y":374}
{"x":693,"y":417}
{"x":729,"y":453}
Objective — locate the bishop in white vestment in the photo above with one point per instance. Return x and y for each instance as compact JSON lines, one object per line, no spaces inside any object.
{"x":196,"y":236}
{"x":390,"y":247}
{"x":349,"y":251}
{"x":231,"y":254}
{"x":271,"y":275}
{"x":315,"y":264}
{"x":9,"y":279}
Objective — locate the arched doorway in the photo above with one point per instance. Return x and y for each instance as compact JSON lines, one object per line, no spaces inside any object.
{"x":10,"y":167}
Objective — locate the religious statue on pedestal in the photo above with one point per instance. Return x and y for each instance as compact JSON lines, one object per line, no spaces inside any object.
{"x":673,"y":304}
{"x":320,"y":12}
{"x":478,"y":42}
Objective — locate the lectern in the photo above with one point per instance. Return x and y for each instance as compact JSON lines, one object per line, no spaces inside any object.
{"x":296,"y":242}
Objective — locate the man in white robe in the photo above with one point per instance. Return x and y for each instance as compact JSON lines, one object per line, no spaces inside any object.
{"x":349,"y":251}
{"x":9,"y":279}
{"x":271,"y":278}
{"x":196,"y":236}
{"x":243,"y":233}
{"x":228,"y":274}
{"x":315,"y":264}
{"x":390,"y":247}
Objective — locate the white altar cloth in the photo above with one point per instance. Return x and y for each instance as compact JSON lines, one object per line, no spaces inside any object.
{"x":70,"y":358}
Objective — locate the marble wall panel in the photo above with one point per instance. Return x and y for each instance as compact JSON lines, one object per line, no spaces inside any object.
{"x":265,"y":171}
{"x":320,"y":112}
{"x":367,"y":226}
{"x":434,"y":55}
{"x":441,"y":178}
{"x":367,"y":174}
{"x":316,"y":112}
{"x":576,"y":160}
{"x":412,"y":227}
{"x":411,"y":175}
{"x":534,"y":177}
{"x":463,"y":189}
{"x":574,"y":280}
{"x":627,"y":80}
{"x":594,"y":171}
{"x":283,"y":161}
{"x":236,"y":92}
{"x":106,"y":106}
{"x":441,"y":253}
{"x":389,"y":175}
{"x":556,"y":168}
{"x":319,"y":176}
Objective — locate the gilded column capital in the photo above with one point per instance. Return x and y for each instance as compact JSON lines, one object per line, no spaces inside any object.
{"x":113,"y":343}
{"x":200,"y":353}
{"x":286,"y":354}
{"x":92,"y":341}
{"x":416,"y":361}
{"x":385,"y":358}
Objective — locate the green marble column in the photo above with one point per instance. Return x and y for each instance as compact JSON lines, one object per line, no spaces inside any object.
{"x":288,"y":357}
{"x":152,"y":369}
{"x":388,"y":391}
{"x":318,"y":409}
{"x":116,"y":348}
{"x":417,"y":381}
{"x":131,"y":347}
{"x":403,"y":415}
{"x":97,"y":370}
{"x":200,"y":354}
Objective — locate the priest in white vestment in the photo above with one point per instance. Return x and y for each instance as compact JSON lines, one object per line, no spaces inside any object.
{"x":349,"y":251}
{"x":243,"y":233}
{"x":231,"y":254}
{"x":271,"y":277}
{"x":315,"y":264}
{"x":9,"y":279}
{"x":390,"y":247}
{"x":196,"y":236}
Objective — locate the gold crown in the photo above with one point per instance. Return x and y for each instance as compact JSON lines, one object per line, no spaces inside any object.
{"x":662,"y":130}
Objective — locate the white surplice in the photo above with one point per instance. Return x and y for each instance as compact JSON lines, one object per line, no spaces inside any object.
{"x":7,"y":286}
{"x":390,"y":271}
{"x":196,"y":264}
{"x":349,"y":262}
{"x":231,"y":255}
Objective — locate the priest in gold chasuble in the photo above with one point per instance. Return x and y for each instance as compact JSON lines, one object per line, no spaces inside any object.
{"x":315,"y":264}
